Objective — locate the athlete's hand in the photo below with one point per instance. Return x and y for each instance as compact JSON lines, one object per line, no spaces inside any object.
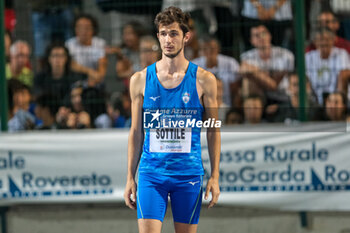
{"x":213,"y":187}
{"x":130,"y":194}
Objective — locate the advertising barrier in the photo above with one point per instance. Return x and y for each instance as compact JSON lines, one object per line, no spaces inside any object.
{"x":279,"y":170}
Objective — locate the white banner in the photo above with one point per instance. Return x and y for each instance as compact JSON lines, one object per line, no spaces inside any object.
{"x":289,"y":171}
{"x":63,"y":166}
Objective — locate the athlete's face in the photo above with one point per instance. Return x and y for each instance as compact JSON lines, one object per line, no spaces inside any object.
{"x":172,"y":39}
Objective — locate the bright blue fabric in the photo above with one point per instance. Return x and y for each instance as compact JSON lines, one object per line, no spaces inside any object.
{"x":158,"y":97}
{"x":185,"y":193}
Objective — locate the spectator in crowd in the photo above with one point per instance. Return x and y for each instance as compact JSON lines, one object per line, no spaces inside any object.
{"x":57,"y":76}
{"x":343,"y":84}
{"x":342,"y":9}
{"x":326,"y":65}
{"x":265,"y":67}
{"x":276,"y":14}
{"x":128,"y":58}
{"x":19,"y":62}
{"x":118,"y":109}
{"x":149,"y":51}
{"x":19,"y":98}
{"x":94,"y":103}
{"x":289,"y":110}
{"x":222,"y":106}
{"x":212,"y":17}
{"x":335,"y":107}
{"x":233,"y":117}
{"x":74,"y":116}
{"x":80,"y":120}
{"x":192,"y":46}
{"x":223,"y":67}
{"x":51,"y":22}
{"x":88,"y":50}
{"x":46,"y":109}
{"x":329,"y":20}
{"x":8,"y":42}
{"x":253,"y":107}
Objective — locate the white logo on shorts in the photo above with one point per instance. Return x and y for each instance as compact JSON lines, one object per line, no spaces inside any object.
{"x":193,"y":183}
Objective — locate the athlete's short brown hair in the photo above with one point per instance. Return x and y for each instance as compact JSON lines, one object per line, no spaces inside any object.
{"x":171,"y":15}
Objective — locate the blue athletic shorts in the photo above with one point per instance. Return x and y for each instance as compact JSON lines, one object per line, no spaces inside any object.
{"x":185,"y":193}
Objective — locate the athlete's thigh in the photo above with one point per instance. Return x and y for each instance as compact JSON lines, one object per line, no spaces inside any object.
{"x":149,"y":226}
{"x":152,"y":197}
{"x":185,"y":228}
{"x":186,"y":199}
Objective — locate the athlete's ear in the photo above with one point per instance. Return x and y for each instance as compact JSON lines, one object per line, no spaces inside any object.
{"x":187,"y":37}
{"x":158,"y":35}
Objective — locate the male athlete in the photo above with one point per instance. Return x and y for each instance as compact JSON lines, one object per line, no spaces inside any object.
{"x":171,"y":162}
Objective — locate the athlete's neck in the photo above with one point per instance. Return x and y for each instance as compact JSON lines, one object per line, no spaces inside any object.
{"x":172,"y":65}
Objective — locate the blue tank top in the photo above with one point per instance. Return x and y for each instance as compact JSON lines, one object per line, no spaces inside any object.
{"x":170,"y":149}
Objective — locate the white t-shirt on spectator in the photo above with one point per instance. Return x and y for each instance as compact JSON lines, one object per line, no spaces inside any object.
{"x":87,"y":55}
{"x":281,"y":60}
{"x":226,"y":70}
{"x":323,"y":73}
{"x":283,"y":13}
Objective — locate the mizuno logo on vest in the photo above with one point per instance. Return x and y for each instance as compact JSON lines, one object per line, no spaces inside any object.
{"x":154,"y":98}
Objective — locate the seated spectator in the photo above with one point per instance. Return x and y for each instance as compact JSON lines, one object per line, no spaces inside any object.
{"x":57,"y":77}
{"x":19,"y":62}
{"x":74,"y":116}
{"x":223,"y":108}
{"x":128,"y":57}
{"x":88,"y":50}
{"x":19,"y":98}
{"x":276,"y":14}
{"x":265,"y":67}
{"x":233,"y":117}
{"x":191,"y":49}
{"x":289,"y":110}
{"x":94,"y":103}
{"x":149,"y":51}
{"x":327,"y":19}
{"x":222,"y":66}
{"x":325,"y":65}
{"x":253,"y":108}
{"x":80,"y":120}
{"x":118,"y":109}
{"x":46,"y":109}
{"x":8,"y":43}
{"x":335,"y":107}
{"x":51,"y":21}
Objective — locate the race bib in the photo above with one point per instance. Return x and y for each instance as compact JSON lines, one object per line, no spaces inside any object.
{"x":170,"y":140}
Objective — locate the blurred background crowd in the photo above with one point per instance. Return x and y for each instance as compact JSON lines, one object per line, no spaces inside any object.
{"x":68,"y":62}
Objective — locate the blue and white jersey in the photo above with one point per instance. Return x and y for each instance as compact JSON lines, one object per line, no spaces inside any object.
{"x":171,"y":148}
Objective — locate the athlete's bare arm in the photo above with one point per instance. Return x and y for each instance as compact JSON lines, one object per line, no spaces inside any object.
{"x":207,"y":90}
{"x":136,"y":136}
